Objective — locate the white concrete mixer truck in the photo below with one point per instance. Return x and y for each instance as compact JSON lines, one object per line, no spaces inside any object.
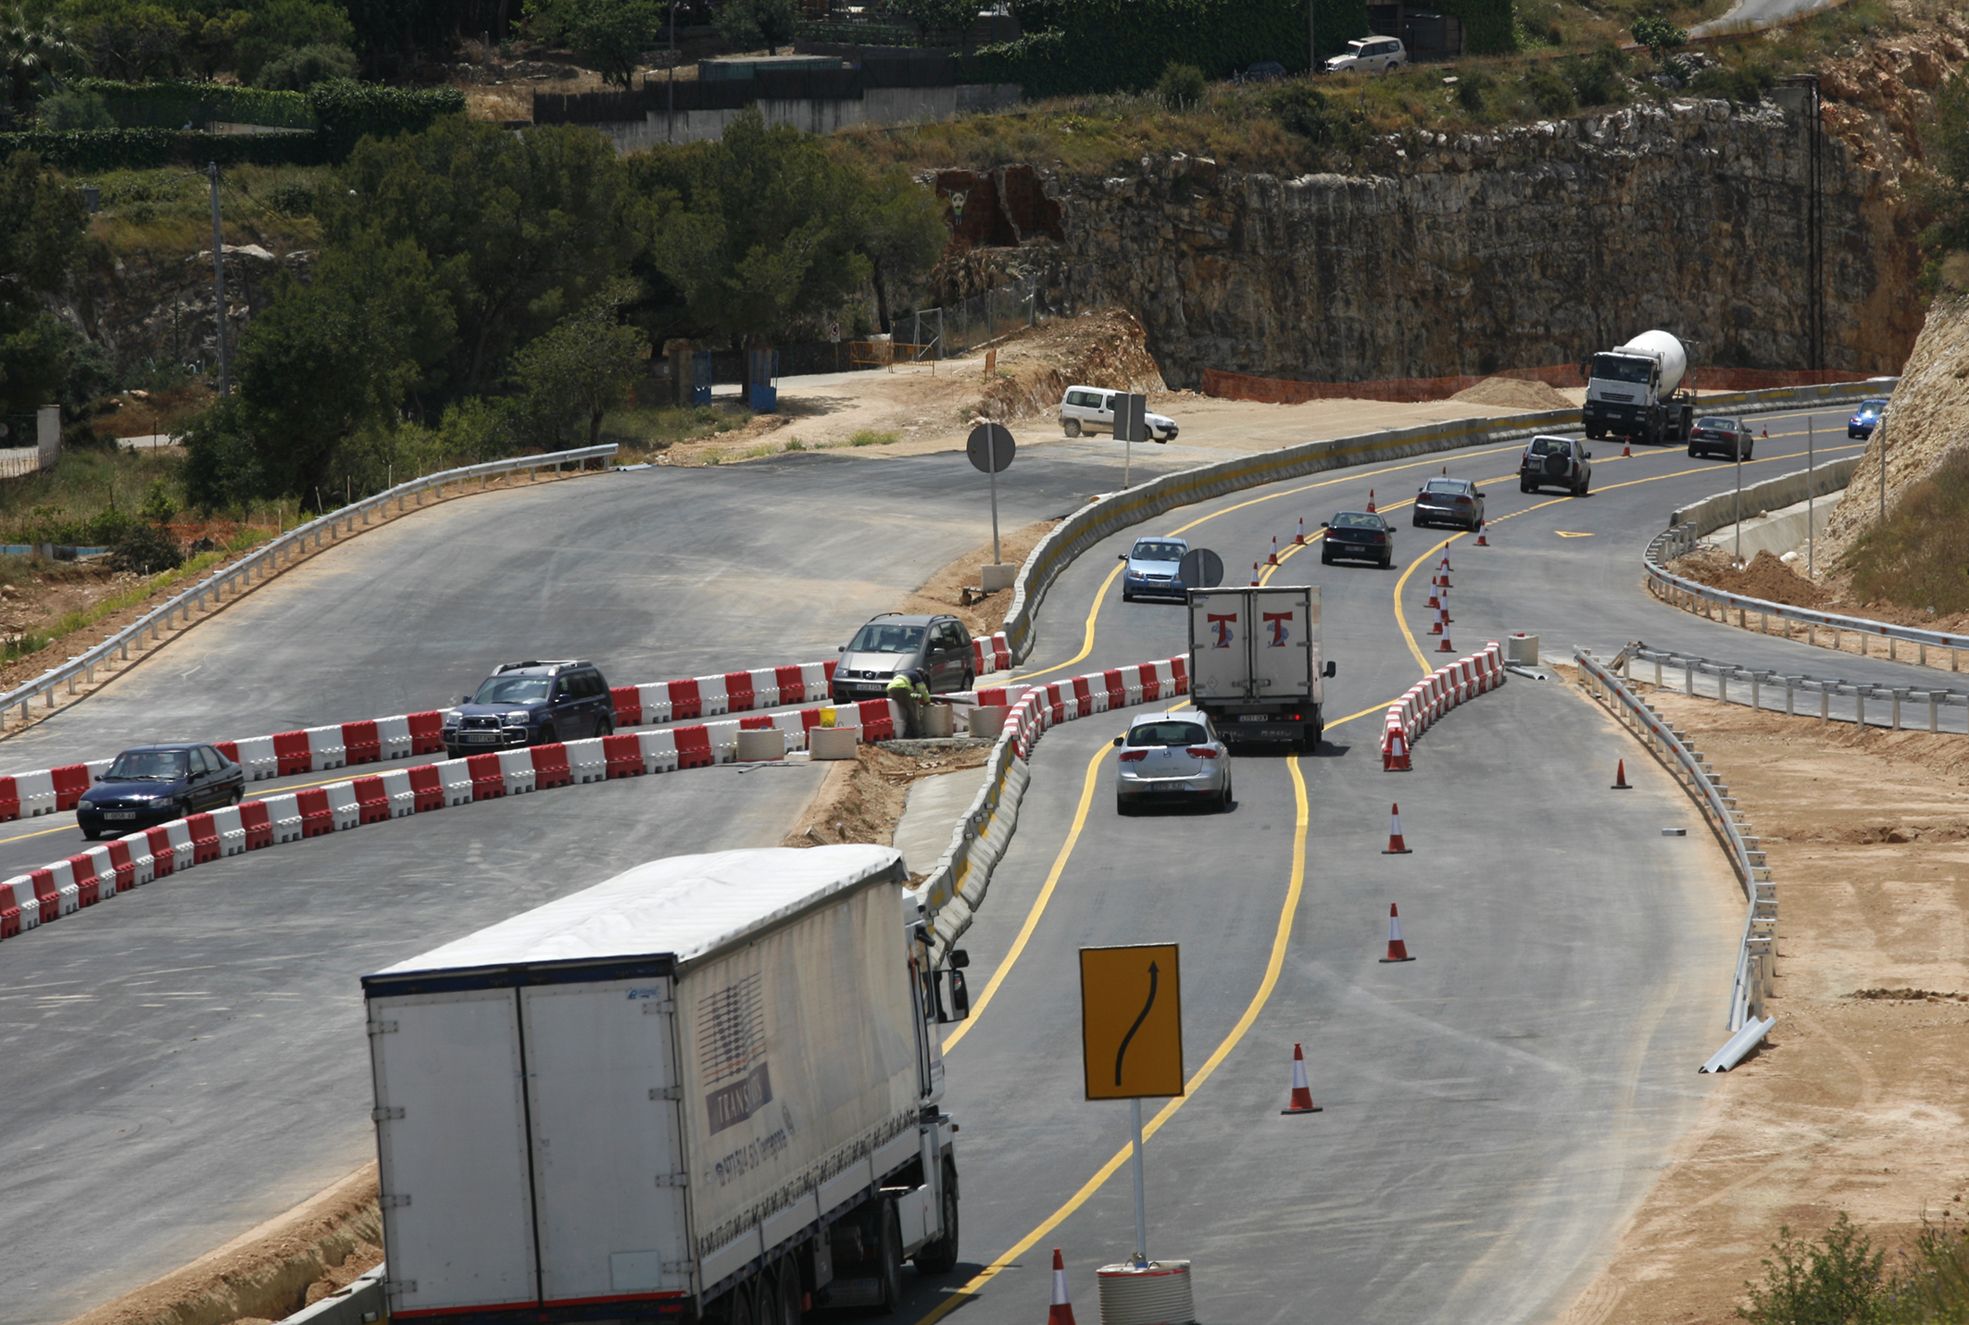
{"x":1631,"y":391}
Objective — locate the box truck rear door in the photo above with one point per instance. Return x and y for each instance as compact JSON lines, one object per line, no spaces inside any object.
{"x":608,"y":1161}
{"x":1280,"y":635}
{"x":451,"y":1135}
{"x":1219,"y":630}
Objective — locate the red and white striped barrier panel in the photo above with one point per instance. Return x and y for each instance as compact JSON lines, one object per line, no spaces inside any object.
{"x":1434,"y":695}
{"x":384,"y":740}
{"x":102,"y":872}
{"x":1034,"y":708}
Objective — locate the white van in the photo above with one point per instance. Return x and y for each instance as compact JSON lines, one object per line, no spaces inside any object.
{"x":1371,"y":55}
{"x":1090,"y":409}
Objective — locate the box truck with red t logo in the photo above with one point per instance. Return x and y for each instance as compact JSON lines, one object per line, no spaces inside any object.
{"x":1255,"y":664}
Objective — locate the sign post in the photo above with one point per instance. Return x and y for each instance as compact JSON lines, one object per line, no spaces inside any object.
{"x":1810,"y":538}
{"x":1131,"y":1037}
{"x":1131,"y":426}
{"x":990,"y":448}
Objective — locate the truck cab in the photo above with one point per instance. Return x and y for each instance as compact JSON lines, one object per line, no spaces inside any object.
{"x":1631,"y":391}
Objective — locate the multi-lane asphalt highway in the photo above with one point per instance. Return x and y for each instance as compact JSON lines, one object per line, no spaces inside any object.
{"x":189,"y":1060}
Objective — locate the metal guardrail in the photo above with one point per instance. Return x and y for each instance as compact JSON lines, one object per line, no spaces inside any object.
{"x":1757,"y":950}
{"x":264,"y":560}
{"x":1756,"y":685}
{"x":1118,"y":510}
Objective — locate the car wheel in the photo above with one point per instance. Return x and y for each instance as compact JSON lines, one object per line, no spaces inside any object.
{"x":1387,"y":560}
{"x":1073,"y":427}
{"x":1415,"y":522}
{"x":548,"y":735}
{"x":1693,"y":453}
{"x":1747,"y":451}
{"x":91,"y":834}
{"x":1326,"y":558}
{"x":605,"y":727}
{"x":1526,"y":487}
{"x":238,"y":795}
{"x":970,"y":680}
{"x":1127,"y":597}
{"x":1224,"y":800}
{"x":1122,"y":807}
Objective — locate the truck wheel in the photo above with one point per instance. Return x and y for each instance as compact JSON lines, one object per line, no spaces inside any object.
{"x":765,"y":1297}
{"x":889,"y":1251}
{"x":940,"y":1256}
{"x":736,"y":1309}
{"x":786,"y":1294}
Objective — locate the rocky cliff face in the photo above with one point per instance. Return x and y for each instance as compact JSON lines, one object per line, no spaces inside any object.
{"x":1527,"y":247}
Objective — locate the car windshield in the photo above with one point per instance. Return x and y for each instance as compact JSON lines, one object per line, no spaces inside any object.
{"x":1450,"y":487}
{"x":1146,"y":551}
{"x":1168,"y":732}
{"x":1621,"y":368}
{"x":874,"y":638}
{"x":512,"y":690}
{"x":1720,"y":425}
{"x":148,"y":766}
{"x":1872,"y":406}
{"x":1356,"y":520}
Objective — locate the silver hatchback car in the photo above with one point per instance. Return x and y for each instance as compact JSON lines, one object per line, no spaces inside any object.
{"x":1171,"y":758}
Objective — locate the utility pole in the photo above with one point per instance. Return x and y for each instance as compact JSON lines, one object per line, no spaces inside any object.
{"x":219,"y":282}
{"x":1312,"y":46}
{"x":670,"y":89}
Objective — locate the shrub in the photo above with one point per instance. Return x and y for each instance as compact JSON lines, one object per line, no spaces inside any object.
{"x":158,"y":507}
{"x":1470,"y":91}
{"x":145,"y":549}
{"x":348,"y":111}
{"x":138,"y":149}
{"x":174,"y":105}
{"x":1550,"y":93}
{"x":1181,"y":86}
{"x":1658,"y":34}
{"x":1598,"y":79}
{"x":72,"y":109}
{"x":1744,"y":85}
{"x":1304,"y":110}
{"x":300,"y":69}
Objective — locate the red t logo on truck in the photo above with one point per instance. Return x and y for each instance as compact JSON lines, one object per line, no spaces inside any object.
{"x":1277,"y":620}
{"x":1221,"y":624}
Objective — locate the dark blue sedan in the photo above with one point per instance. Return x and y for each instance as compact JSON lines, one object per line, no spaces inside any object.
{"x":1867,"y":417}
{"x":153,"y":784}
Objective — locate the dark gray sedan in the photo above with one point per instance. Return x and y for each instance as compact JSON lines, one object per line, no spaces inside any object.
{"x":1450,"y":501}
{"x":153,"y":784}
{"x":1720,"y":436}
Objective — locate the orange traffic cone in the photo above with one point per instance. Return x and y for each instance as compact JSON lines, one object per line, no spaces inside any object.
{"x":1395,"y":847}
{"x":1395,"y":758}
{"x":1273,"y":559}
{"x":1299,"y":539}
{"x":1433,"y":602}
{"x":1445,"y":646}
{"x":1397,"y":950}
{"x":1061,"y":1312}
{"x":1370,"y":501}
{"x":1620,"y":777}
{"x":1436,"y":626}
{"x":1626,"y":451}
{"x":1254,"y":574}
{"x":1767,"y":432}
{"x":1301,"y":1099}
{"x":1481,"y":540}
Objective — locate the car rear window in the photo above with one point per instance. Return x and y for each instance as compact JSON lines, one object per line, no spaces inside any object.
{"x":1167,"y":733}
{"x":1448,"y":486}
{"x":1550,"y":446}
{"x":1355,"y":520}
{"x":1720,"y":425}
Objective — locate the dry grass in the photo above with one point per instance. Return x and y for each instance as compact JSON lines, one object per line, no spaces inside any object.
{"x":1919,"y":558}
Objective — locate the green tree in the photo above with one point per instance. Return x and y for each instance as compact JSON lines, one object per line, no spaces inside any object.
{"x":128,"y":41}
{"x":40,"y":247}
{"x":580,"y":369}
{"x":520,"y":229}
{"x":344,"y":351}
{"x":750,"y":24}
{"x":1659,"y":35}
{"x":608,"y":35}
{"x":948,"y":21}
{"x":71,"y":109}
{"x":901,"y":230}
{"x":757,"y":230}
{"x":276,"y":27}
{"x":301,"y":68}
{"x":34,"y":51}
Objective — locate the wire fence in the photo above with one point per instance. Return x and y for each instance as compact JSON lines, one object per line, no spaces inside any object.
{"x":938,"y":333}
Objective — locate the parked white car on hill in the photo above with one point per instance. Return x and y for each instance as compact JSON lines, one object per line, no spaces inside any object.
{"x":1369,"y":55}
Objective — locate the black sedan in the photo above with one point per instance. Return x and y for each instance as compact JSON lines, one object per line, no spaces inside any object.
{"x":1360,"y":535}
{"x":153,"y":784}
{"x":1450,"y":501}
{"x":1728,"y":437}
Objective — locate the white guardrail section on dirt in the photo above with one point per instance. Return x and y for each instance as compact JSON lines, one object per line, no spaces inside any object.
{"x":1119,"y":510}
{"x":1761,"y":688}
{"x":264,"y":559}
{"x":1757,"y":951}
{"x":1690,"y":524}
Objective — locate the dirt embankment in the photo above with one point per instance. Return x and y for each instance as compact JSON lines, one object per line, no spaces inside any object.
{"x":1926,"y":422}
{"x":1512,"y":393}
{"x":1859,"y":1100}
{"x":1765,"y":577}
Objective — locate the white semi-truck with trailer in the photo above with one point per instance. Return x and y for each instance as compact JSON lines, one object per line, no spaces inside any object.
{"x":1255,"y":664}
{"x":1632,"y":391}
{"x":703,"y":1090}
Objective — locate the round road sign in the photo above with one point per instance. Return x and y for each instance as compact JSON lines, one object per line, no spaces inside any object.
{"x":990,"y":448}
{"x":1202,"y":569}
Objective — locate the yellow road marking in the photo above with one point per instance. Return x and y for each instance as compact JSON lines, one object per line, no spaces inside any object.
{"x":1571,"y":533}
{"x":1281,"y":937}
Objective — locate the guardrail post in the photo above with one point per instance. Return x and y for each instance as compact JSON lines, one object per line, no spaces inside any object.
{"x":1722,"y":686}
{"x":1934,"y":713}
{"x":1921,"y":652}
{"x":1811,"y":634}
{"x":1825,"y":705}
{"x":1789,"y":696}
{"x":1657,"y":671}
{"x":1896,"y":723}
{"x":1859,"y":706}
{"x":1755,"y":702}
{"x":1891,"y":657}
{"x":1689,"y":676}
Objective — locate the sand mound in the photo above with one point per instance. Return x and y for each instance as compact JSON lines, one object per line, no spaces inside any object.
{"x":1108,"y":348}
{"x":1514,"y":393}
{"x":1765,"y":577}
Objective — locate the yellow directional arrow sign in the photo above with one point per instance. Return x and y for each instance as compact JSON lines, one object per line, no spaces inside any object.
{"x":1131,"y":1021}
{"x":1570,"y":533}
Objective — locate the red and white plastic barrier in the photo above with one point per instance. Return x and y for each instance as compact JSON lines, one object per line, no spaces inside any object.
{"x":1034,"y":708}
{"x":61,"y":887}
{"x":1434,"y":695}
{"x":383,"y":740}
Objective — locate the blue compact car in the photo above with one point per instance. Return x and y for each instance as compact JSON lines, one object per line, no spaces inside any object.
{"x":1866,"y":418}
{"x":1154,"y":569}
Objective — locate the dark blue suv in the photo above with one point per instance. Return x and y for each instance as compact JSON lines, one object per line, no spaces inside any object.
{"x":530,"y":703}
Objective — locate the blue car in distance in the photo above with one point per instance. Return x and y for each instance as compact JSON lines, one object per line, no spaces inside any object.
{"x":1154,"y":569}
{"x":1867,"y":417}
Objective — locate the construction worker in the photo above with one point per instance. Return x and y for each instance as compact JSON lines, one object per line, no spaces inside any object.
{"x":910,"y":691}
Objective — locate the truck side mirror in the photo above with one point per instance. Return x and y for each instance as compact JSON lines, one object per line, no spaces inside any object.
{"x":1327,"y":671}
{"x":960,"y":998}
